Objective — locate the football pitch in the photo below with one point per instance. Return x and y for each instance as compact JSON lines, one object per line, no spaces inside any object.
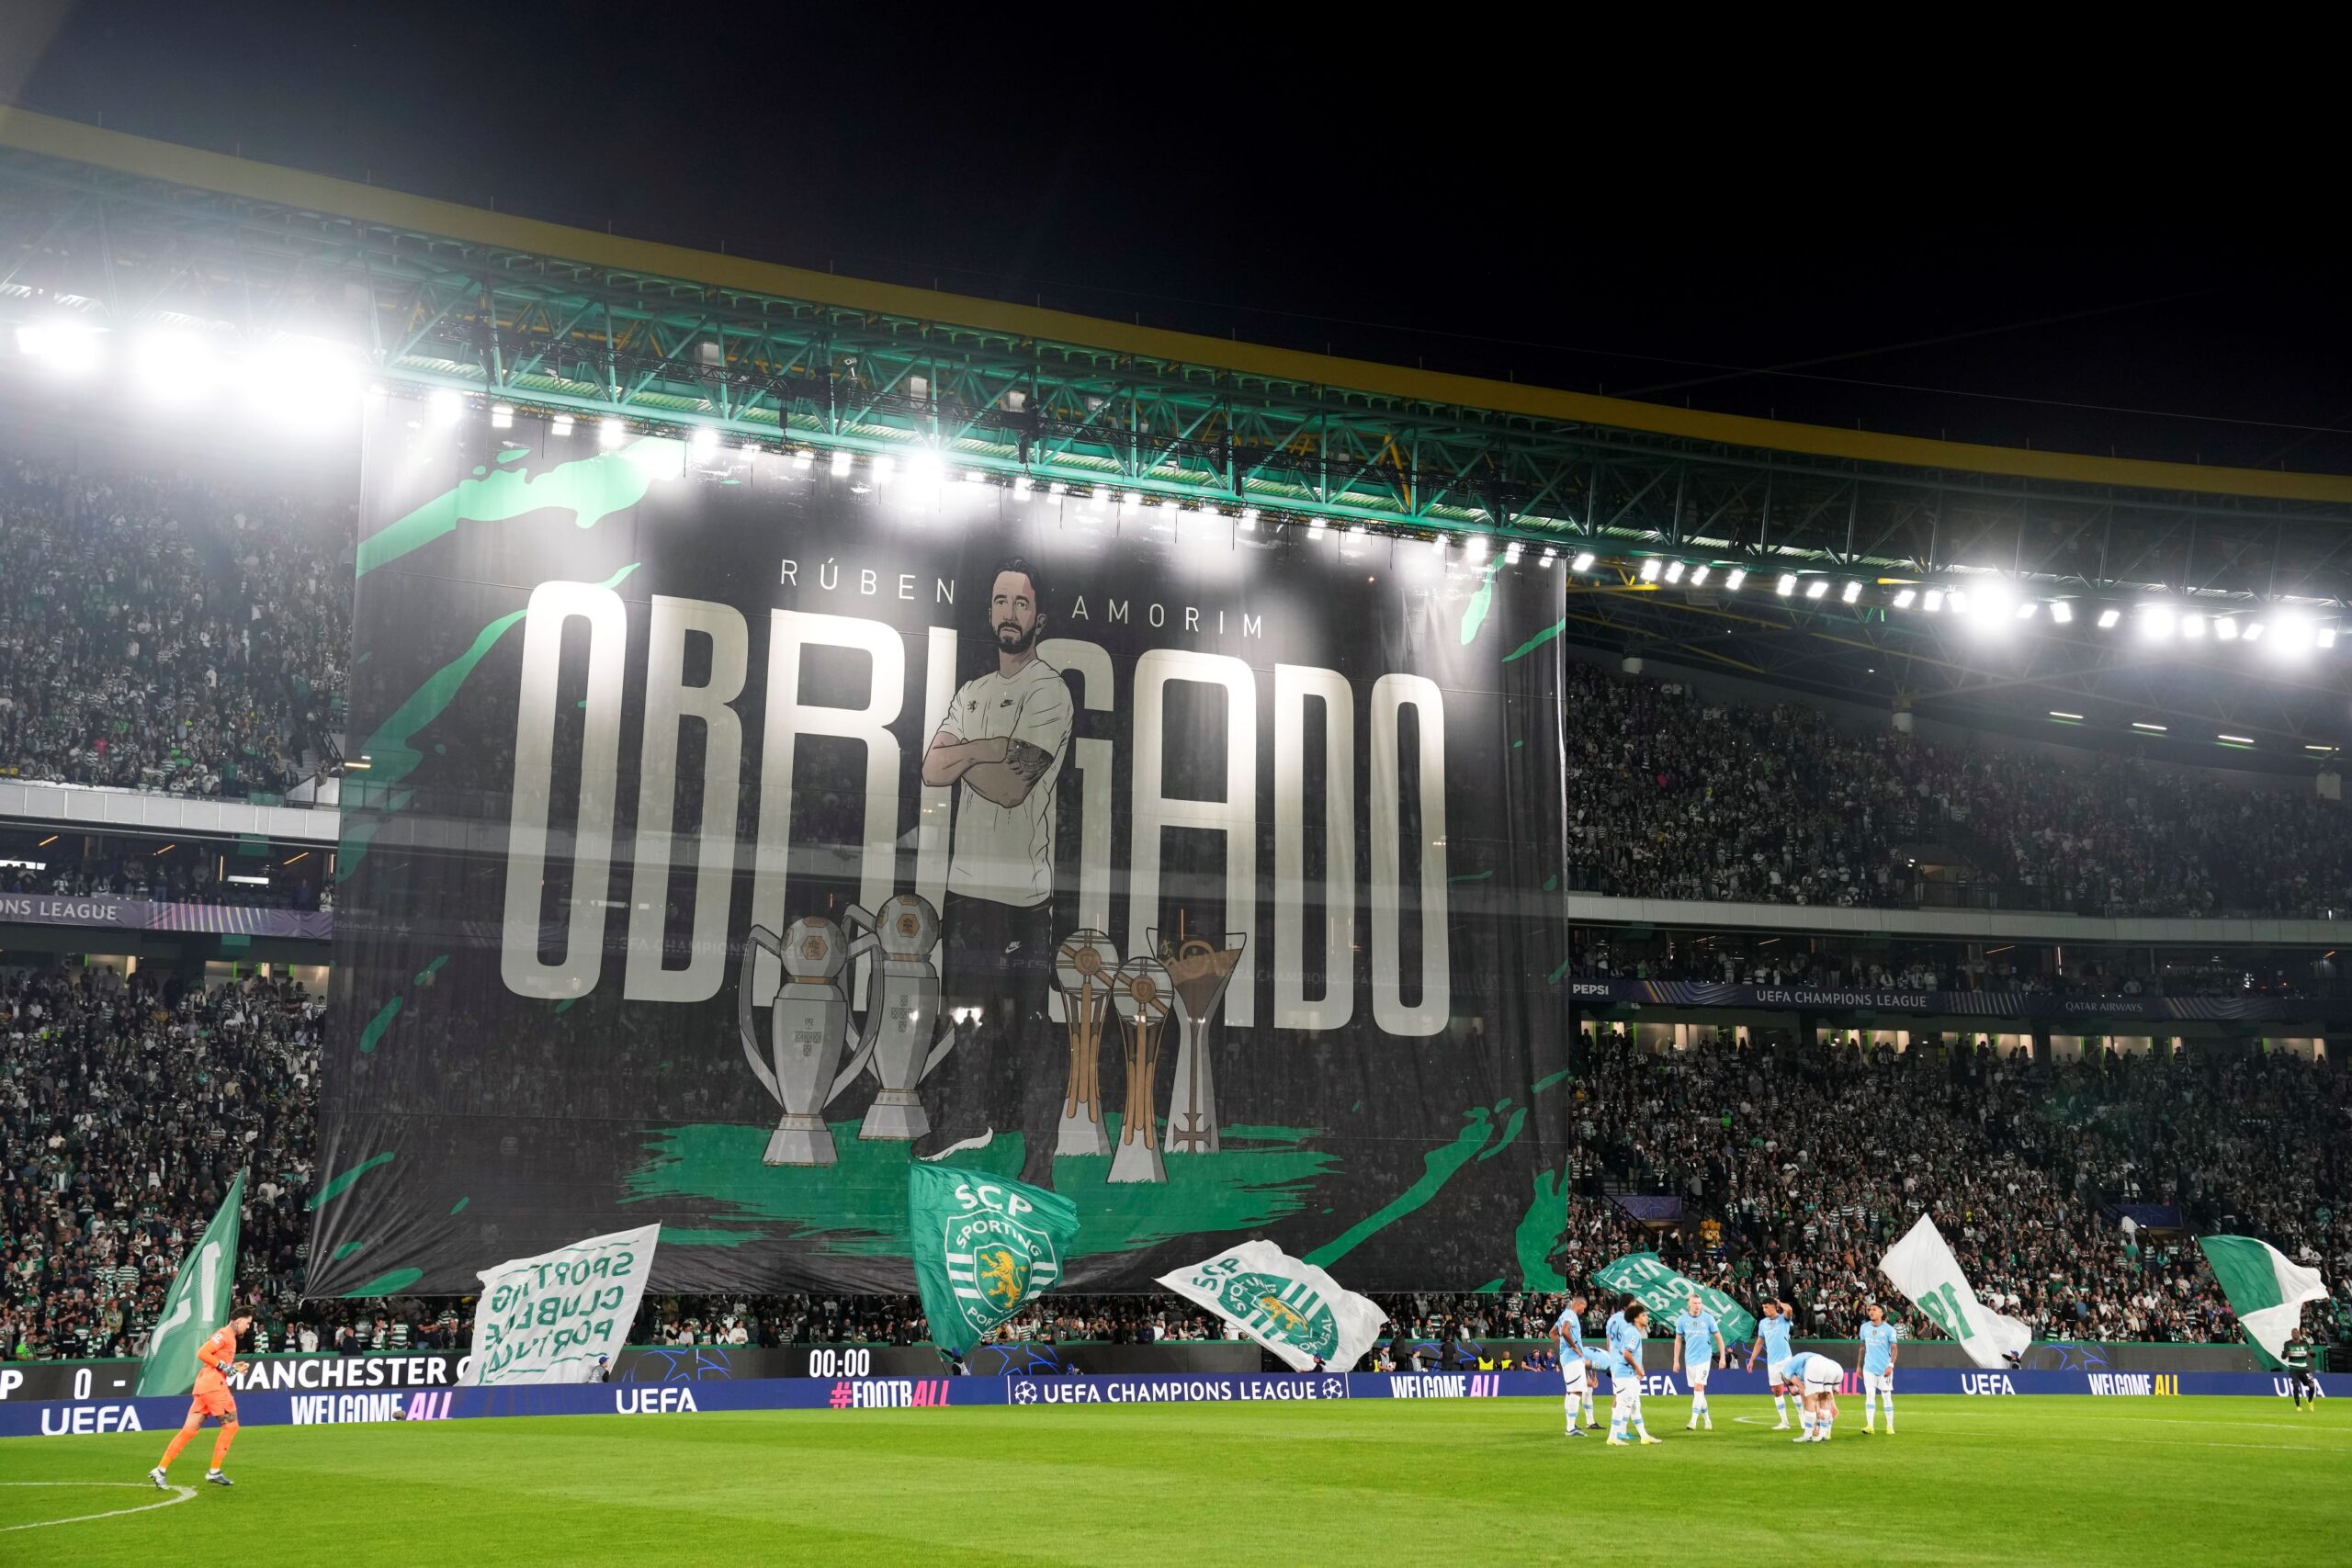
{"x":1491,"y":1482}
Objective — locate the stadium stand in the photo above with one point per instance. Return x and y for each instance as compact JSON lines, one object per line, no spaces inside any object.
{"x":126,"y":1106}
{"x":1672,"y":795}
{"x":167,"y":634}
{"x":125,"y":1110}
{"x":1752,"y":958}
{"x":164,"y":634}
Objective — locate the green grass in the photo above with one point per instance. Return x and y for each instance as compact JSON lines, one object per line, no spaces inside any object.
{"x":2076,"y":1480}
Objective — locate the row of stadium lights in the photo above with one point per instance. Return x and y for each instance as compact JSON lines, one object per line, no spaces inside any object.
{"x":170,"y":363}
{"x":1995,"y":607}
{"x":1992,"y":606}
{"x":922,"y":472}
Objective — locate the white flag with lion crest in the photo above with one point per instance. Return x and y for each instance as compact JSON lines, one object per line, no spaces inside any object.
{"x":1291,"y":1308}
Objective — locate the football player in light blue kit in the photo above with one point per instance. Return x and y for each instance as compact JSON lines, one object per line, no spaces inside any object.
{"x":1575,"y":1370}
{"x":1817,"y":1377}
{"x":1626,"y":1327}
{"x":1772,"y":1345}
{"x":1878,"y":1368}
{"x":1698,"y":1347}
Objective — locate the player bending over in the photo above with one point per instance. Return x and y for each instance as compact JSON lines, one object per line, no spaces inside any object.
{"x":216,"y":1359}
{"x":1772,"y":1345}
{"x":1699,"y":1346}
{"x":1626,"y":1327}
{"x":1817,"y":1377}
{"x":1576,"y":1372}
{"x":1878,"y":1369}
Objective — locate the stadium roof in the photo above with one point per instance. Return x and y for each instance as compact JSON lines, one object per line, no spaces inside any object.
{"x":117,"y":231}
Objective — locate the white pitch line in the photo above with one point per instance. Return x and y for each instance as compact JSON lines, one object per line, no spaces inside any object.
{"x":184,"y":1492}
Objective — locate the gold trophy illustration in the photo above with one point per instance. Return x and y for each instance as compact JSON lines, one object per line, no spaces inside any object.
{"x":1144,"y":998}
{"x":1085,"y":969}
{"x":1199,"y":970}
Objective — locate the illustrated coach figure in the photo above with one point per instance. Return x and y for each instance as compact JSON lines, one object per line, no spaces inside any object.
{"x":1001,"y":742}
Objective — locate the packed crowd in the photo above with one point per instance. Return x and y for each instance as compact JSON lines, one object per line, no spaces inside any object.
{"x":1675,"y":795}
{"x":1812,"y":1159}
{"x":170,"y":874}
{"x":157,"y":634}
{"x":1832,"y":964}
{"x":124,"y":1107}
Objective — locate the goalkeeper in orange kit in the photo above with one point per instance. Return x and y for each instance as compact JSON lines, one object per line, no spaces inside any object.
{"x":216,"y":1359}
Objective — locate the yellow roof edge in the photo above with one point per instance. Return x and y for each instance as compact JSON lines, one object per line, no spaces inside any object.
{"x":144,"y":158}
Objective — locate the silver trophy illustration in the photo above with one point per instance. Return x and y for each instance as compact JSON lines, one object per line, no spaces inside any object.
{"x":1144,"y":998}
{"x":1085,"y":968}
{"x":808,"y":1026}
{"x":901,"y":1012}
{"x":1199,"y":970}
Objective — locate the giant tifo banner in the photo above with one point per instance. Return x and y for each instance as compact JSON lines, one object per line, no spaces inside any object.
{"x":820,"y":822}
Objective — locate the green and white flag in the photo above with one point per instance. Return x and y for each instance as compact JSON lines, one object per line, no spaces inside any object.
{"x":983,"y":1247}
{"x":1293,"y":1308}
{"x":198,"y":1304}
{"x":1667,"y":1292}
{"x":549,"y":1318}
{"x":2265,"y":1289}
{"x":1922,"y":1267}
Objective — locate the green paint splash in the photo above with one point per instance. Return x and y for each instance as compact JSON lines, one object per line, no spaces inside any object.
{"x":337,"y":1187}
{"x":460,"y":1206}
{"x":1438,"y":1166}
{"x":1510,"y":1134}
{"x":1538,"y":640}
{"x":1486,"y":875}
{"x":1474,"y":614}
{"x":389,"y":1284}
{"x":857,"y":1207}
{"x":392,"y":752}
{"x":591,"y":488}
{"x":377,"y":1025}
{"x":346,"y":1250}
{"x":1539,"y":1229}
{"x":425,"y":976}
{"x":1553,"y":977}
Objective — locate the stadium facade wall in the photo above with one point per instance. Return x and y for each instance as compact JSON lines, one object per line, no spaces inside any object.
{"x":1955,"y":925}
{"x":85,"y":1419}
{"x":1955,"y":1004}
{"x":141,"y":915}
{"x":145,"y":811}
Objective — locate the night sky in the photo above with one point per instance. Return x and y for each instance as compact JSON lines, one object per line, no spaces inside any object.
{"x":2017,"y":253}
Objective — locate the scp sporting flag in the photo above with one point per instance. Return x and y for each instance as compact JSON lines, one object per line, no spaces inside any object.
{"x":198,"y":1304}
{"x":2265,"y":1289}
{"x":1923,"y":1268}
{"x":984,"y":1247}
{"x":1666,"y":1293}
{"x":1291,"y":1308}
